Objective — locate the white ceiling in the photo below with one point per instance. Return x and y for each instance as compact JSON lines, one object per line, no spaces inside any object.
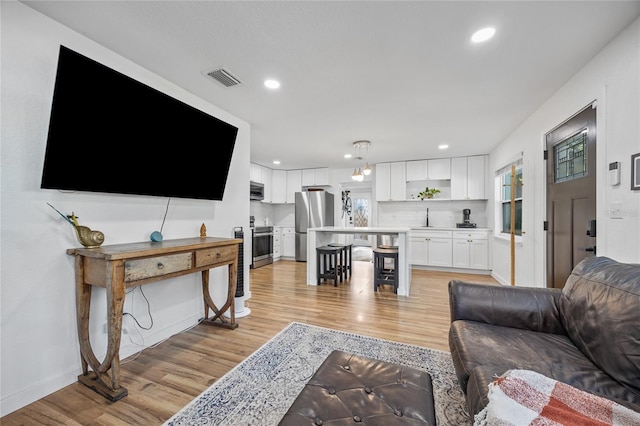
{"x":403,"y":75}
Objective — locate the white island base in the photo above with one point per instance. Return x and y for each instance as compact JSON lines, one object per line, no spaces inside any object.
{"x":318,"y":237}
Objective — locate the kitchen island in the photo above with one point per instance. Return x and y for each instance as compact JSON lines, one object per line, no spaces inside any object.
{"x":317,"y":237}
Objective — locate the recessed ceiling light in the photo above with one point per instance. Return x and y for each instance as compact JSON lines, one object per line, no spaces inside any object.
{"x":483,"y":35}
{"x":272,"y":84}
{"x":443,"y":146}
{"x":348,"y":156}
{"x":276,"y":161}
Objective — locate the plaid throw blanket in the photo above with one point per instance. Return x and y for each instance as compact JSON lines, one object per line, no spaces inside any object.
{"x":523,"y":397}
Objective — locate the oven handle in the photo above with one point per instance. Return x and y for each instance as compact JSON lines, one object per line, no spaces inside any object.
{"x":262,"y":234}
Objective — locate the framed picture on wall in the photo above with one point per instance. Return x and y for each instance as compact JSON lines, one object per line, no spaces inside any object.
{"x":635,"y":172}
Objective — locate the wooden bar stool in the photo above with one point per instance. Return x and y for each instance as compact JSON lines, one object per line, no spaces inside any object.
{"x":345,"y":258}
{"x":382,"y":274}
{"x":327,"y":264}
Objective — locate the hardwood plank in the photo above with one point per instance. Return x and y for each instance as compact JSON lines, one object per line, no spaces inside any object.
{"x":163,"y":379}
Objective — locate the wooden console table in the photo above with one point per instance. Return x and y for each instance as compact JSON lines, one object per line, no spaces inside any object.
{"x":122,"y":266}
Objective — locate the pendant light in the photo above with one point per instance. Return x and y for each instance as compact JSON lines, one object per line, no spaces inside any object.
{"x":361,"y":149}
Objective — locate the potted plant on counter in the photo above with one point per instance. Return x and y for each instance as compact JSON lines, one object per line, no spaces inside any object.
{"x":428,"y":193}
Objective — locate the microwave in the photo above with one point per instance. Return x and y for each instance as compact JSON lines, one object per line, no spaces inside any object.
{"x":256,"y":191}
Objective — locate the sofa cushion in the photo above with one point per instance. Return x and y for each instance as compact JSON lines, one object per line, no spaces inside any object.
{"x":600,"y":310}
{"x":484,"y":351}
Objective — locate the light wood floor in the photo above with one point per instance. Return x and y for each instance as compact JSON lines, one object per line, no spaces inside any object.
{"x":163,"y":379}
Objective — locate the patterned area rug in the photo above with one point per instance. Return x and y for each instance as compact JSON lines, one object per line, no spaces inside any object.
{"x":259,"y":390}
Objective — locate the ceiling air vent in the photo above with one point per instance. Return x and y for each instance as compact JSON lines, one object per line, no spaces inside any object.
{"x":224,"y":77}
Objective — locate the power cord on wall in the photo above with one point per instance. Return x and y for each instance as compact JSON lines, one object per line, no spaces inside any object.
{"x":156,"y":236}
{"x":140,"y":343}
{"x":148,"y":310}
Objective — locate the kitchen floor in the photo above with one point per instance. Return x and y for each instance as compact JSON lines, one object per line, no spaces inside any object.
{"x":361,"y":253}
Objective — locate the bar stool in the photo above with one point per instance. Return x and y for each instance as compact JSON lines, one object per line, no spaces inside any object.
{"x":381,"y":274}
{"x":327,"y":264}
{"x":345,"y":258}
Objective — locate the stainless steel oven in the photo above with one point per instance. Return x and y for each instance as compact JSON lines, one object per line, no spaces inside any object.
{"x":262,"y":246}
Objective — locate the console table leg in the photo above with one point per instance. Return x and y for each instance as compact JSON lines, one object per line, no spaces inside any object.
{"x":104,"y":377}
{"x":209,"y":304}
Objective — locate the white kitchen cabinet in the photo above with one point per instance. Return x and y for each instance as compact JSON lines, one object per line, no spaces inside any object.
{"x":416,"y":170}
{"x":391,"y":181}
{"x":255,"y":173}
{"x":439,"y":169}
{"x":277,"y":242}
{"x":318,"y":177}
{"x":294,"y":184}
{"x":436,"y":169}
{"x":268,"y":185}
{"x":279,"y":186}
{"x":468,"y":176}
{"x":431,"y":248}
{"x":471,"y":249}
{"x":288,"y":242}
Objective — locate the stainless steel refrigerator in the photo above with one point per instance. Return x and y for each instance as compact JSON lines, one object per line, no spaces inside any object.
{"x":314,"y":208}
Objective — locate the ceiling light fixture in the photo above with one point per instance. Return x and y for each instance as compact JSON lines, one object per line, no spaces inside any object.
{"x":443,"y":146}
{"x":276,"y":162}
{"x":361,"y":149}
{"x":272,"y":84}
{"x":483,"y":35}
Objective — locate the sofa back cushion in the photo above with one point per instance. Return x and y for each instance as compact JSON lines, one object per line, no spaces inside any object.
{"x":600,"y":309}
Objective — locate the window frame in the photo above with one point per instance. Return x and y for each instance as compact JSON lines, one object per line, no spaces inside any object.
{"x":502,"y":176}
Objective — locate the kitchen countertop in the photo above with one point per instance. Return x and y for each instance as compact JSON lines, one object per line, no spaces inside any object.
{"x":362,"y":230}
{"x":437,"y":228}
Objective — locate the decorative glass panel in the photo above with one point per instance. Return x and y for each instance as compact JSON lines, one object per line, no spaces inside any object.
{"x":570,"y":157}
{"x":361,"y":212}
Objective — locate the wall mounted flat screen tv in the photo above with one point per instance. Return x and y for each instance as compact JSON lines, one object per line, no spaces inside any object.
{"x":110,"y":133}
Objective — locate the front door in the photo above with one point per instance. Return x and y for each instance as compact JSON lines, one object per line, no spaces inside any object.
{"x":571,"y":195}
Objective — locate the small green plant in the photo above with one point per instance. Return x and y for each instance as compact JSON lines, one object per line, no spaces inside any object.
{"x":428,"y":193}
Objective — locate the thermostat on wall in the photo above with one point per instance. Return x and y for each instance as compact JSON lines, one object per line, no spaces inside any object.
{"x":614,"y":173}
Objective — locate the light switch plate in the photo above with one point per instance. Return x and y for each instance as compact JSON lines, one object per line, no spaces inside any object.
{"x":616,"y":211}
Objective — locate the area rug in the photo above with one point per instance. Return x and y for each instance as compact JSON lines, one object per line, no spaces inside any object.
{"x":260,"y":389}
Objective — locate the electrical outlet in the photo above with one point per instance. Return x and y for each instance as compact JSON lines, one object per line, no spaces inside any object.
{"x":105,"y":328}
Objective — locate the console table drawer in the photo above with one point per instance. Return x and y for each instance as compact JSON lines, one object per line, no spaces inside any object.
{"x":135,"y":270}
{"x":216,"y":255}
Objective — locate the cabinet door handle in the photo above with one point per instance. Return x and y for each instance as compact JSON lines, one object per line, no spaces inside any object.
{"x":160,"y":265}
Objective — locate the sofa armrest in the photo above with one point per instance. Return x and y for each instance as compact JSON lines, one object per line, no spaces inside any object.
{"x":526,"y":308}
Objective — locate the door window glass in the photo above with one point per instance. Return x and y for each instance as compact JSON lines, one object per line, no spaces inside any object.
{"x":570,"y":157}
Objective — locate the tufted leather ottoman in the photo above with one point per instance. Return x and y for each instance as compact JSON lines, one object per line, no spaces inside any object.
{"x":348,"y":389}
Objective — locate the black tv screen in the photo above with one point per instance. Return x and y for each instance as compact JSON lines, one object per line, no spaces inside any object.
{"x":110,"y":133}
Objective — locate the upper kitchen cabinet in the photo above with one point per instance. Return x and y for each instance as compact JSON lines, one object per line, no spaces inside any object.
{"x":319,"y":177}
{"x":439,"y":169}
{"x":468,"y":176}
{"x":416,"y":170}
{"x":436,"y":169}
{"x":255,"y":173}
{"x":268,"y":184}
{"x":294,"y":184}
{"x":391,"y":181}
{"x":279,"y":186}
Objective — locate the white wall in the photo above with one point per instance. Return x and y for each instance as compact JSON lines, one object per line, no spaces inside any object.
{"x":39,"y":348}
{"x":612,"y":78}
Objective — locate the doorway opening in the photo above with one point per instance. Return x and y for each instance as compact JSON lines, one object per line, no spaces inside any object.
{"x":359,"y":215}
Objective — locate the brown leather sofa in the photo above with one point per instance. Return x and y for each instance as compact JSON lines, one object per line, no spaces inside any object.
{"x":586,"y":335}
